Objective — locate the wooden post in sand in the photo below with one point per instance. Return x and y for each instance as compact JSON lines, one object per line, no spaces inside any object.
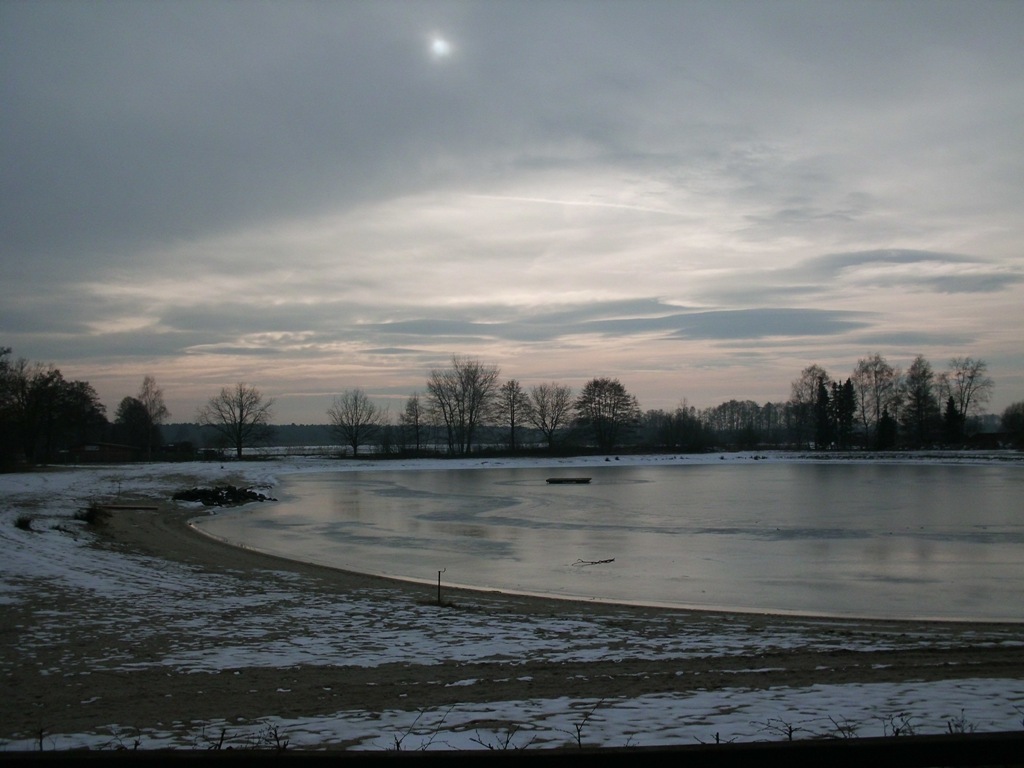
{"x":439,"y":584}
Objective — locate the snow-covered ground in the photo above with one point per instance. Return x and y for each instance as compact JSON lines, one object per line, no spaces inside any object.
{"x":45,"y":548}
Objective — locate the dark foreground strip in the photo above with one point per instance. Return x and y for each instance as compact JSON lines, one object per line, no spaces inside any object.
{"x":975,"y":750}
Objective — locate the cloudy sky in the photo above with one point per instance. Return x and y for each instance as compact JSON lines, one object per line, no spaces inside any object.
{"x":699,"y":198}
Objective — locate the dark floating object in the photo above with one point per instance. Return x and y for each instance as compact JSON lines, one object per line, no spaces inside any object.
{"x":568,"y":480}
{"x":579,"y":563}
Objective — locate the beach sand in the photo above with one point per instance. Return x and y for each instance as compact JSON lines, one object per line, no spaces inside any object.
{"x":107,"y":671}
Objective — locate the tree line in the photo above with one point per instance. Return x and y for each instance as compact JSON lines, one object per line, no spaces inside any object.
{"x":44,"y":416}
{"x":877,"y":406}
{"x":881,"y":406}
{"x":466,"y":407}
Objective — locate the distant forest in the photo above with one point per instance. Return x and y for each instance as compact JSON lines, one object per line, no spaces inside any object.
{"x":320,"y":435}
{"x":467,"y":409}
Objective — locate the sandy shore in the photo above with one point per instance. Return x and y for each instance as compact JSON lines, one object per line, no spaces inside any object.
{"x":106,"y":673}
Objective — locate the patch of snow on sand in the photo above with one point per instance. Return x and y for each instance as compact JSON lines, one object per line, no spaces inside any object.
{"x":732,"y":715}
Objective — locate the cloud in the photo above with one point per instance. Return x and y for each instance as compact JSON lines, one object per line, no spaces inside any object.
{"x":768,"y":322}
{"x":920,"y":270}
{"x":833,"y":264}
{"x":979,"y":283}
{"x":192,"y":186}
{"x":912,"y":340}
{"x":637,"y":319}
{"x":864,"y":272}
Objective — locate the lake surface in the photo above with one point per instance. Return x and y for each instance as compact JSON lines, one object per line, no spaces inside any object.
{"x":832,"y":538}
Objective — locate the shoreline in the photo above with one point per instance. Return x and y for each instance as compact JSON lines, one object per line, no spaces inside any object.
{"x":170,"y":529}
{"x":167,"y":634}
{"x":954,"y":596}
{"x":611,"y":604}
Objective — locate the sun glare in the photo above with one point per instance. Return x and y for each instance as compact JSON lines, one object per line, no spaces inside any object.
{"x":439,"y":47}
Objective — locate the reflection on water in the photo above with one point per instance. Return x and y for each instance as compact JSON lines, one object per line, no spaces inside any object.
{"x":883,"y":540}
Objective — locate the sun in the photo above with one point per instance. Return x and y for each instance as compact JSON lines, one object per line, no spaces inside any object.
{"x":440,"y":48}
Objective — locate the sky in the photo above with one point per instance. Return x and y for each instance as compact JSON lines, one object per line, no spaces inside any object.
{"x":700,"y":199}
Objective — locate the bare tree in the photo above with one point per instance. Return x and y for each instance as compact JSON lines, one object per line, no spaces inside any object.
{"x":608,"y":410}
{"x":152,"y":399}
{"x":877,"y":385}
{"x":443,"y":391}
{"x":804,"y":396}
{"x":413,"y":422}
{"x":921,"y":415}
{"x":355,"y":419}
{"x":513,"y":408}
{"x":550,"y":409}
{"x":462,"y":396}
{"x":8,"y":423}
{"x":968,"y":383}
{"x":239,"y":414}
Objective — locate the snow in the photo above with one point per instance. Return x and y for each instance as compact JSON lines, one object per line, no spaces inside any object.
{"x":137,"y":593}
{"x":733,"y":715}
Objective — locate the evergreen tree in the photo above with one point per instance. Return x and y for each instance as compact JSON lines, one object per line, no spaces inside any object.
{"x":844,"y":405}
{"x":887,"y":431}
{"x":1013,"y":422}
{"x":47,"y":414}
{"x":823,"y":423}
{"x":952,"y":422}
{"x":132,"y":424}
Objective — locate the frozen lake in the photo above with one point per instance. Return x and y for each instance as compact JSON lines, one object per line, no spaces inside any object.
{"x":882,"y":540}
